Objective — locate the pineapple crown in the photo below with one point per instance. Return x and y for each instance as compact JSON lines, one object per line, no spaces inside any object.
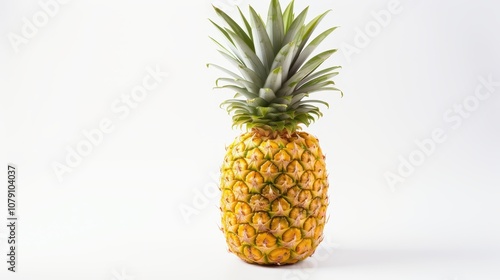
{"x":276,"y":75}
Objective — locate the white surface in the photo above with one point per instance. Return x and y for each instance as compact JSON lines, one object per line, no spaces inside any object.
{"x":116,"y":215}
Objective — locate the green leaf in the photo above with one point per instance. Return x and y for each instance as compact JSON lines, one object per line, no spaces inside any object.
{"x":288,"y":16}
{"x":257,"y":102}
{"x":310,"y":49}
{"x":263,"y":111}
{"x":284,"y":60}
{"x":311,"y":82}
{"x":239,"y":82}
{"x":309,"y":29}
{"x":248,"y":56}
{"x":275,"y":25}
{"x":316,"y":101}
{"x":279,"y":107}
{"x":222,"y":30}
{"x":322,"y":88}
{"x":318,"y":74}
{"x":267,"y":94}
{"x":235,"y":103}
{"x":283,"y":100}
{"x":290,"y":114}
{"x":224,"y":49}
{"x":232,"y":74}
{"x":274,"y":79}
{"x":240,"y":120}
{"x":230,"y":42}
{"x":296,"y":27}
{"x":303,"y":118}
{"x":306,"y":70}
{"x":298,"y":97}
{"x":247,"y":25}
{"x":239,"y":91}
{"x":250,"y":75}
{"x":263,"y":45}
{"x":236,"y":108}
{"x":235,"y":61}
{"x":240,"y":112}
{"x":316,"y":87}
{"x":235,"y":27}
{"x":259,"y":120}
{"x":277,"y":116}
{"x":280,"y":125}
{"x":284,"y":117}
{"x":307,"y":109}
{"x":316,"y":112}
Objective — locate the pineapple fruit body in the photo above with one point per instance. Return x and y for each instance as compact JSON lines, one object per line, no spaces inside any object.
{"x":274,"y":197}
{"x":274,"y":182}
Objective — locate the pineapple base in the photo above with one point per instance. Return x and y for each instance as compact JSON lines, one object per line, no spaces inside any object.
{"x":274,"y":197}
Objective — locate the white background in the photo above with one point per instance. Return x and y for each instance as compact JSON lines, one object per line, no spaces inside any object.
{"x":117,"y":215}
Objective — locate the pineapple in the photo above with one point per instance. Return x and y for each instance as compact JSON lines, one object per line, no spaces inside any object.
{"x":274,"y":182}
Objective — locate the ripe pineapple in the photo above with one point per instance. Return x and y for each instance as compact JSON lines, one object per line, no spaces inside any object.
{"x":274,"y":182}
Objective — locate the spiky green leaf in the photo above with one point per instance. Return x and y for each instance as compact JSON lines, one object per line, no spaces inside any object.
{"x":274,"y":79}
{"x":321,"y":86}
{"x":257,"y":102}
{"x":230,"y":73}
{"x":248,"y":56}
{"x":288,"y":16}
{"x":238,"y":82}
{"x":309,"y":29}
{"x":318,"y":74}
{"x":247,"y":24}
{"x":293,"y":33}
{"x":307,"y":69}
{"x":275,"y":26}
{"x":239,"y":91}
{"x":235,"y":27}
{"x":267,"y":94}
{"x":284,"y":59}
{"x":263,"y":45}
{"x":250,"y":75}
{"x":317,"y":80}
{"x":310,"y":49}
{"x":276,"y":73}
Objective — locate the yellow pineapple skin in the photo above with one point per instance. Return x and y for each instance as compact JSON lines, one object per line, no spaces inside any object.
{"x":274,"y":197}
